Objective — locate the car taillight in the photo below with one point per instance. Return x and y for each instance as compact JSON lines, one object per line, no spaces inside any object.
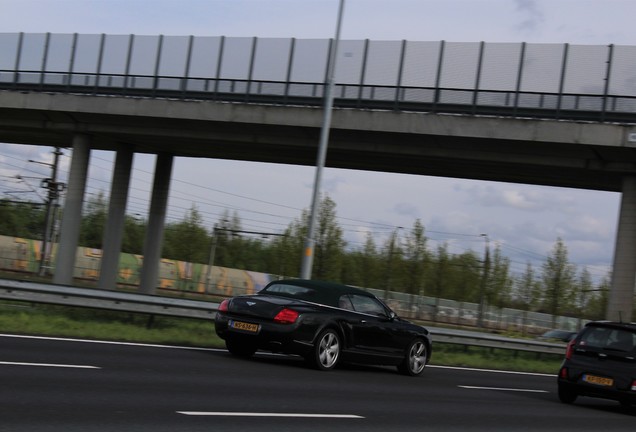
{"x":563,"y":373}
{"x":634,"y":385}
{"x":223,"y":307}
{"x":286,"y":316}
{"x":569,"y":349}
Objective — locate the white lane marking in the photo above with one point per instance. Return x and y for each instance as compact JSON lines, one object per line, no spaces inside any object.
{"x":110,"y":342}
{"x":48,"y":365}
{"x":492,"y":370}
{"x":257,"y":414}
{"x":503,"y":389}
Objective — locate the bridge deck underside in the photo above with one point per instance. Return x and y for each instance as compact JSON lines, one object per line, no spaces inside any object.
{"x":285,"y":140}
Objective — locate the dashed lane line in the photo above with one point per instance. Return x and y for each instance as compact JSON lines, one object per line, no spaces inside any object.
{"x":48,"y":365}
{"x":263,"y":414}
{"x":502,"y":389}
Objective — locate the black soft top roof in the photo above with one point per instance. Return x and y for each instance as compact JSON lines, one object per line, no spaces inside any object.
{"x":327,"y":293}
{"x":613,"y":324}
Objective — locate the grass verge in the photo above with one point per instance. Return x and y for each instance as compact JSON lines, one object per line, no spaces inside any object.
{"x":61,"y":321}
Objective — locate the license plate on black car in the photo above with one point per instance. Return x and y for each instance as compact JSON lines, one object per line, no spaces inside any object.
{"x":244,"y":326}
{"x":601,"y":381}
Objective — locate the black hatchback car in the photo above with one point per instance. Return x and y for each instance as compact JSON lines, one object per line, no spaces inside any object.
{"x":325,"y":323}
{"x":600,"y":362}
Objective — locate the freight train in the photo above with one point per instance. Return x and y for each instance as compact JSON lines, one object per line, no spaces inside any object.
{"x":23,"y":256}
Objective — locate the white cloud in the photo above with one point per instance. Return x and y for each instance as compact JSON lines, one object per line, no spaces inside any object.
{"x":407,"y":209}
{"x":519,"y":197}
{"x":532,"y":16}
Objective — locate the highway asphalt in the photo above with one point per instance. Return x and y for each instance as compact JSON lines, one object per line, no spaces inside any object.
{"x":67,"y":385}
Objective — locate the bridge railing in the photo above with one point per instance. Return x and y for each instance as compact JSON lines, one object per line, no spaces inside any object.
{"x":581,"y":82}
{"x":587,"y":107}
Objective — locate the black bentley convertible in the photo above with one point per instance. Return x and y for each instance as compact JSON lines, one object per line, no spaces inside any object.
{"x":323,"y":322}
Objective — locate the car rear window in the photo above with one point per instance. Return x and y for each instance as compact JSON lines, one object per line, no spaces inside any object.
{"x":293,"y":291}
{"x":608,"y":338}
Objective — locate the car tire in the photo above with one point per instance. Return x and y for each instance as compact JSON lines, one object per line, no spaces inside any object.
{"x":415,"y":359}
{"x":567,"y":394}
{"x":240,"y":348}
{"x":326,"y":351}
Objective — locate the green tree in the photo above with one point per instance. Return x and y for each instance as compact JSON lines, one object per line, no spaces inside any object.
{"x":285,"y":254}
{"x":583,"y":290}
{"x":500,"y":283}
{"x":558,"y":280}
{"x":94,"y":221}
{"x":360,"y":266}
{"x":440,"y":269}
{"x":133,"y":239}
{"x":330,"y":244}
{"x":415,"y":254}
{"x":392,"y":257}
{"x":22,"y":219}
{"x":369,"y":262}
{"x":597,"y":303}
{"x":187,"y":240}
{"x":227,"y":232}
{"x":464,"y":277}
{"x":527,"y":289}
{"x":528,"y":292}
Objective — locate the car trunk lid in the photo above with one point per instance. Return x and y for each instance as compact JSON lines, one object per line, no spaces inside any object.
{"x":259,"y":305}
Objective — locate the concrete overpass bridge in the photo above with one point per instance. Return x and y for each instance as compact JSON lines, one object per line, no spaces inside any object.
{"x":394,"y":112}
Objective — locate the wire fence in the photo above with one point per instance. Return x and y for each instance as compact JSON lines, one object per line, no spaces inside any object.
{"x":466,"y":314}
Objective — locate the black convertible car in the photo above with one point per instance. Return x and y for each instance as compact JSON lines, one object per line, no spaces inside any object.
{"x":323,"y":322}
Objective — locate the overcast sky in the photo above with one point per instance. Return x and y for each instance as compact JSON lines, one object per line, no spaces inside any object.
{"x":525,"y":220}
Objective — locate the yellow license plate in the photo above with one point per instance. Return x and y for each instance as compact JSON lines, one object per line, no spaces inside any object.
{"x":593,"y":379}
{"x":248,"y":327}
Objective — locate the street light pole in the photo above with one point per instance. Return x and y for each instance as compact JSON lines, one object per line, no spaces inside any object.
{"x":208,"y":272}
{"x":308,"y":253}
{"x":484,"y":281}
{"x":389,"y":271}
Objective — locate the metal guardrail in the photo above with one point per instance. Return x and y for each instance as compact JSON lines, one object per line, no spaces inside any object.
{"x":154,"y":305}
{"x":100,"y":299}
{"x":487,"y":340}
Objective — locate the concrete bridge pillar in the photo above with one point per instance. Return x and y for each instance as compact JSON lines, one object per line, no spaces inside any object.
{"x":72,"y":217}
{"x":621,"y":296}
{"x":156,"y":220}
{"x":114,"y":229}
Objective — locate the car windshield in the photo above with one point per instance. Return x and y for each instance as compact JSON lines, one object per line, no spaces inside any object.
{"x":609,"y":339}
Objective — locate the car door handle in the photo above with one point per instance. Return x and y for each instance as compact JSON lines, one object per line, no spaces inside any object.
{"x":363,"y":321}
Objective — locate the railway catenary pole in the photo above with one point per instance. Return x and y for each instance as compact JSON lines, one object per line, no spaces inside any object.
{"x":54,"y":189}
{"x":214,"y":243}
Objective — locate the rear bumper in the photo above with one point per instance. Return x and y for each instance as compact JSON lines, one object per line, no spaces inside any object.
{"x":283,"y":338}
{"x":573,"y":382}
{"x":599,"y":392}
